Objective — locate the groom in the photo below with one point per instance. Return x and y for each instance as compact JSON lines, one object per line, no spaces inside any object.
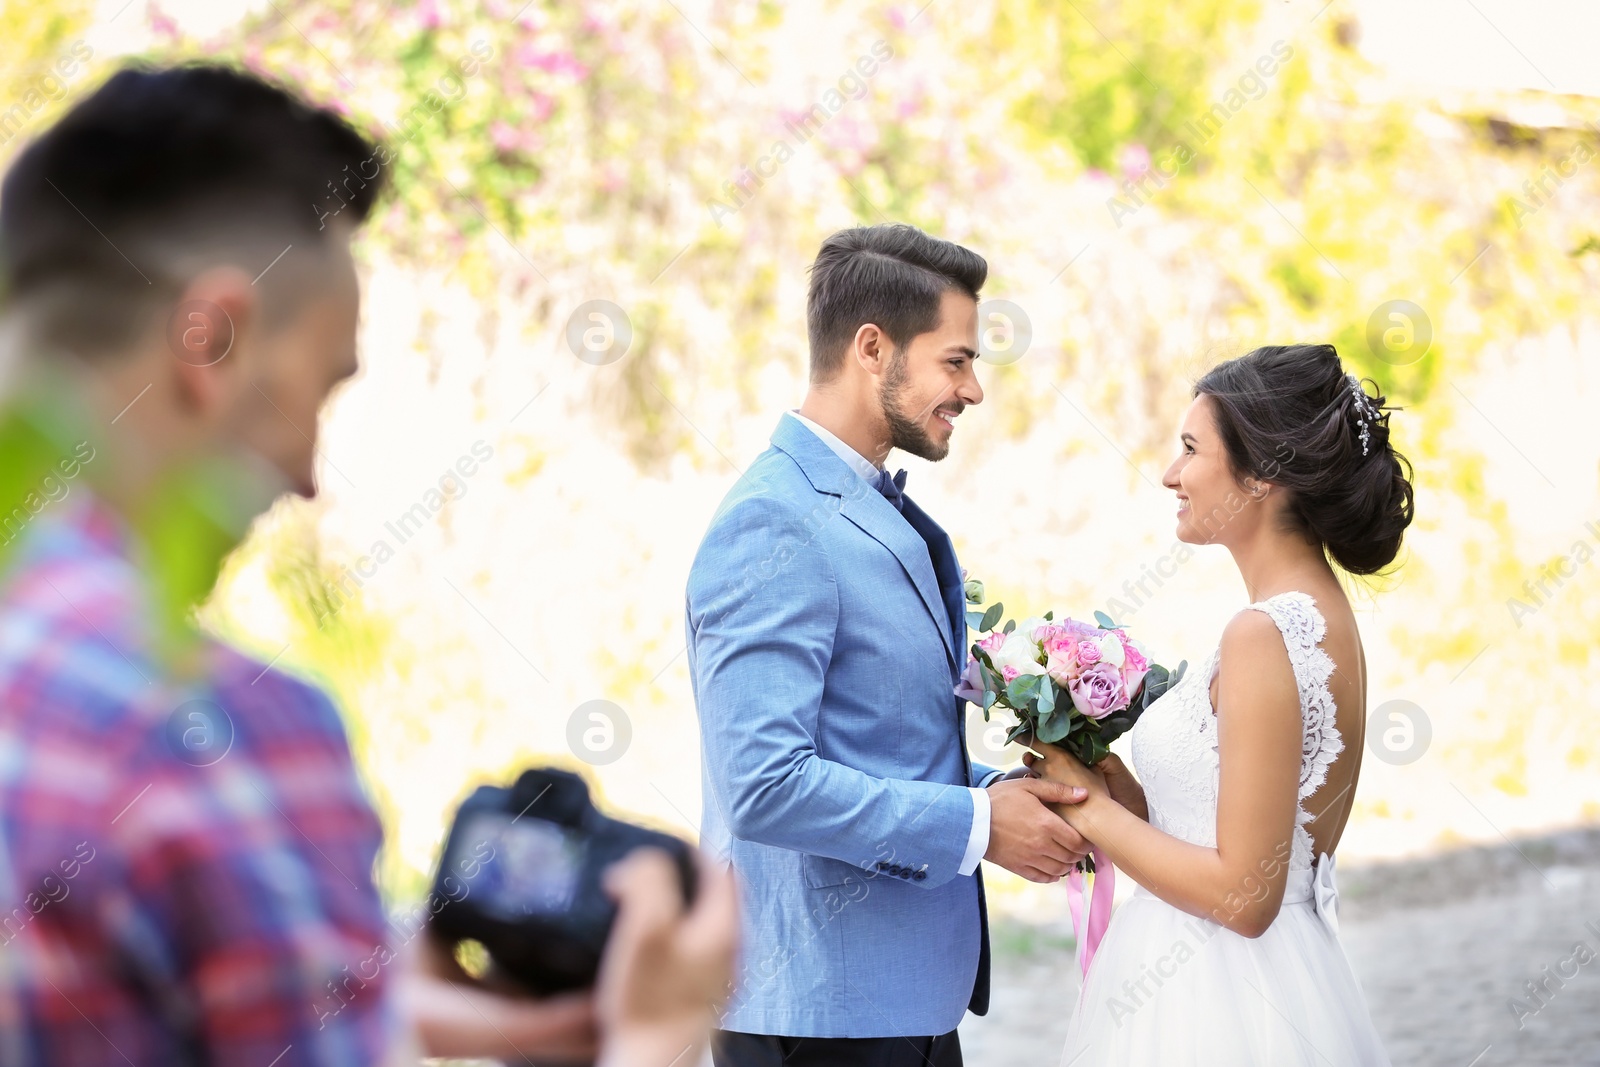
{"x":827,"y":630}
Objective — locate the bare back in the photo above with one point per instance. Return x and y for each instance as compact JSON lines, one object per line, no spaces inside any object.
{"x":1330,"y":804}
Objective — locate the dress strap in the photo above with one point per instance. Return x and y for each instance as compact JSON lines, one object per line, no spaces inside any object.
{"x":1303,"y":629}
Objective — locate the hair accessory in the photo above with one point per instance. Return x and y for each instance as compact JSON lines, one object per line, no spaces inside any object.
{"x":1366,"y":411}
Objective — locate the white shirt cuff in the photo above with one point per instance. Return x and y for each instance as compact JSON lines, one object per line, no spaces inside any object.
{"x":978,"y":842}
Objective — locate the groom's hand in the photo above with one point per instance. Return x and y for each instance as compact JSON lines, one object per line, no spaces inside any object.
{"x":1027,"y":838}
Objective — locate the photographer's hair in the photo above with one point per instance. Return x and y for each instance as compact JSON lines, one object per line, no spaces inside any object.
{"x":892,"y":276}
{"x":1292,"y":416}
{"x":160,"y":174}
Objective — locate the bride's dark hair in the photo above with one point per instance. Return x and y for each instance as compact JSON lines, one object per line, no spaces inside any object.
{"x":1292,"y":416}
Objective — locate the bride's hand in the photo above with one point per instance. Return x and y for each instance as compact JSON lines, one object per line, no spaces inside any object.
{"x":1123,"y":786}
{"x":1059,"y":765}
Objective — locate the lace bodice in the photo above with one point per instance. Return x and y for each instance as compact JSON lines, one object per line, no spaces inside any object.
{"x":1175,"y":740}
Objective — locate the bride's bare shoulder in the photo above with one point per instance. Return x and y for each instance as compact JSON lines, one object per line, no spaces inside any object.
{"x":1253,"y":662}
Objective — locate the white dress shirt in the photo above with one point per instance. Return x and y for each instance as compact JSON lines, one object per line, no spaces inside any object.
{"x":978,"y":841}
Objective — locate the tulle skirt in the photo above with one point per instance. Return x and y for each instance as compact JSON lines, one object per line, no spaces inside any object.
{"x":1168,"y":989}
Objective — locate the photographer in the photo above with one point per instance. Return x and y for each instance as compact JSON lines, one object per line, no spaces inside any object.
{"x":186,"y":852}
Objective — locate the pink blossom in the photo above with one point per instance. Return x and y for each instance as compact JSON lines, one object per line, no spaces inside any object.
{"x":553,"y":62}
{"x":1134,"y":160}
{"x":162,"y":24}
{"x":504,"y":137}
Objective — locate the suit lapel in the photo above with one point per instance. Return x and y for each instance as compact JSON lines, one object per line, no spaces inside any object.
{"x":880,"y":521}
{"x":947,"y":576}
{"x":864,"y":506}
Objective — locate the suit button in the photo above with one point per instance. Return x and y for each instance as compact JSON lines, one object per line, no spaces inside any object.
{"x":882,"y":866}
{"x":894,"y":869}
{"x":904,"y":873}
{"x":920,"y":875}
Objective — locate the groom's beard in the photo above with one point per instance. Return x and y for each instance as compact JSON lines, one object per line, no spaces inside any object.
{"x":908,"y":428}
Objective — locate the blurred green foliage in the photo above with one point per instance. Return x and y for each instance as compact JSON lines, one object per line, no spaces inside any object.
{"x":1115,"y":72}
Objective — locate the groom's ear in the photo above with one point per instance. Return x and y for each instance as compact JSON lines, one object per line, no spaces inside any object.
{"x":870,"y":348}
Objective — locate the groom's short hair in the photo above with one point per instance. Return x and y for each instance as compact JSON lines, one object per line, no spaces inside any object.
{"x":161,"y":172}
{"x":892,"y":276}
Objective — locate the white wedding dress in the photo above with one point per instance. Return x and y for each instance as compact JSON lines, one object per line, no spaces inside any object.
{"x":1167,"y":988}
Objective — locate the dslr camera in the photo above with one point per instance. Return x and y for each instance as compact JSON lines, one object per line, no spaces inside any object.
{"x":521,"y":872}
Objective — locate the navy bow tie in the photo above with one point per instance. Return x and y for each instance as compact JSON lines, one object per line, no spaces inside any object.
{"x":892,"y":488}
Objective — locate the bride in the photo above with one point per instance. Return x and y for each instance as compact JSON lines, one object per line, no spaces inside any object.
{"x":1227,"y":952}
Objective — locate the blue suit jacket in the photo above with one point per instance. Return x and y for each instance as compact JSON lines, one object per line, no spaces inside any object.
{"x":825,"y":641}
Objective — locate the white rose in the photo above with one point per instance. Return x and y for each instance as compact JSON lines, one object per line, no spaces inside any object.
{"x":1111,"y":650}
{"x":1031,"y":626}
{"x":1018,"y":650}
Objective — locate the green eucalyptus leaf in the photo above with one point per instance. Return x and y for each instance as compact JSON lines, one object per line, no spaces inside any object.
{"x":1022,"y":689}
{"x":1054,"y":727}
{"x":991,"y":617}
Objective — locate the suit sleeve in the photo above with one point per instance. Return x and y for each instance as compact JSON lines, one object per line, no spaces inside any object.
{"x":983,"y":774}
{"x":762,"y":616}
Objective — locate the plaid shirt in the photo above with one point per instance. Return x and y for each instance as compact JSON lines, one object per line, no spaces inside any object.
{"x":185,"y":868}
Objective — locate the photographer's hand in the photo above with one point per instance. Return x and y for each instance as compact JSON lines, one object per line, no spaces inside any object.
{"x":666,"y":975}
{"x":457,"y":1015}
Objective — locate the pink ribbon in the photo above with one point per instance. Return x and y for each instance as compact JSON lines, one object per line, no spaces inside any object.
{"x":1091,"y":916}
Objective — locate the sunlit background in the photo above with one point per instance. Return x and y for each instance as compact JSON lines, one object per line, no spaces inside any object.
{"x":1441,"y":154}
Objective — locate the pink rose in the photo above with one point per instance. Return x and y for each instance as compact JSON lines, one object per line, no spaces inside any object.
{"x":1098,"y":692}
{"x":971,"y":685}
{"x":1134,"y":664}
{"x":1062,"y":643}
{"x":1057,"y":643}
{"x":1061,"y":662}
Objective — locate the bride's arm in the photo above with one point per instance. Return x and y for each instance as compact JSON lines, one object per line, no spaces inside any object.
{"x":1240,"y":883}
{"x":1123,"y":786}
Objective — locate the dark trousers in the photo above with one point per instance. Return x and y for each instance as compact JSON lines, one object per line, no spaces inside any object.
{"x":729,"y":1048}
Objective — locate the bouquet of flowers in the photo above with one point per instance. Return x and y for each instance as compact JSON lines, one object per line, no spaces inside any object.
{"x":1069,"y":683}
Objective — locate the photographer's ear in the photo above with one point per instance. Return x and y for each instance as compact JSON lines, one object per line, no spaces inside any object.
{"x":207,"y":332}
